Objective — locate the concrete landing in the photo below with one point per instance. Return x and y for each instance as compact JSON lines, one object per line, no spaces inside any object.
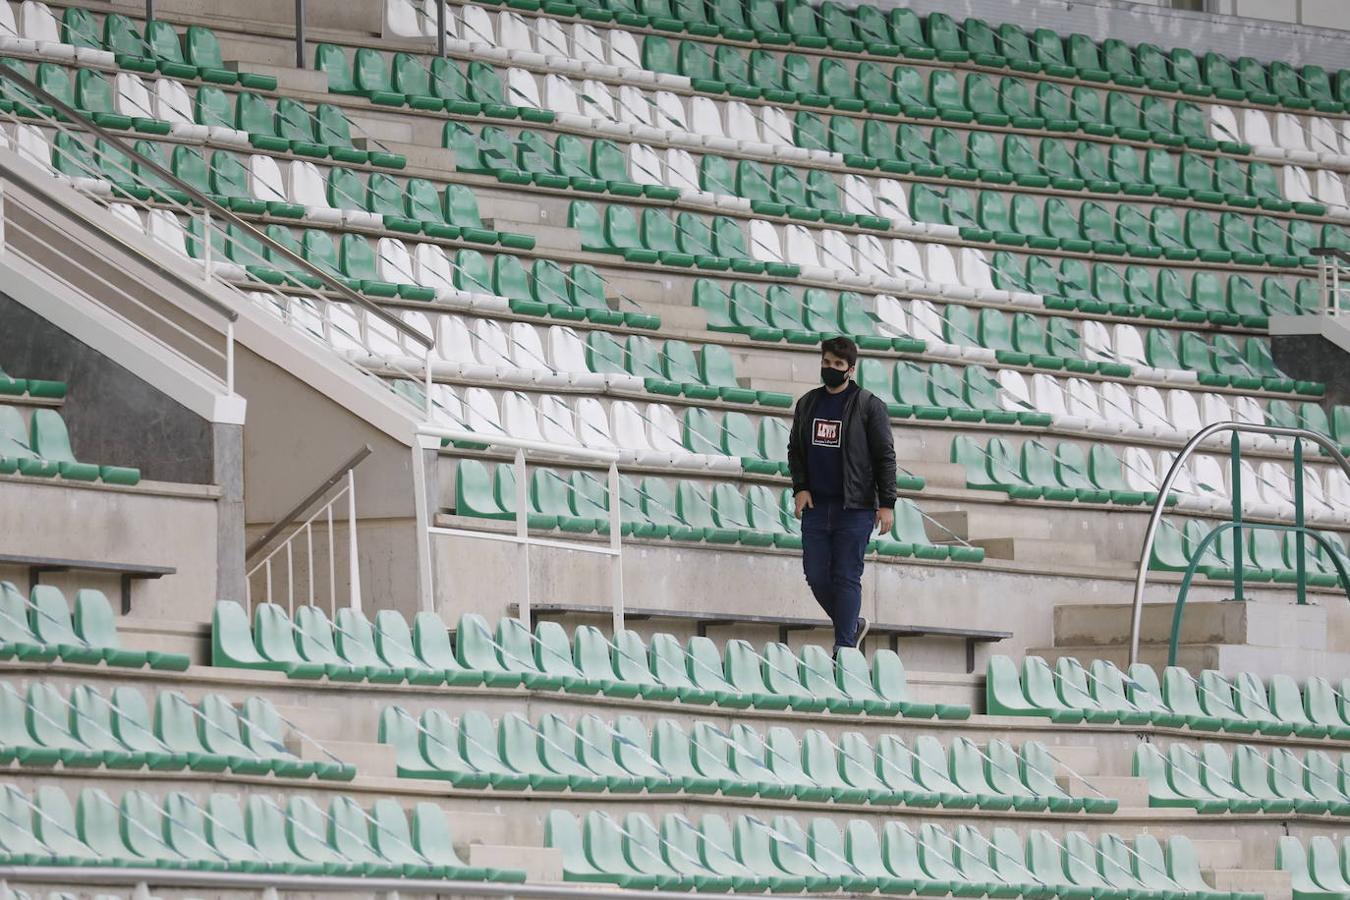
{"x":1261,"y":637}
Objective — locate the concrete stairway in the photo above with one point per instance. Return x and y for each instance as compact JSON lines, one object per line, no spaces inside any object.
{"x":1253,"y":636}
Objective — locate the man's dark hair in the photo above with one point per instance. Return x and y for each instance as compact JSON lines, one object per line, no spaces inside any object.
{"x":842,"y":347}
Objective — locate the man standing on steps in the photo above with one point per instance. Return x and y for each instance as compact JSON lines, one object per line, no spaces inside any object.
{"x":842,"y":459}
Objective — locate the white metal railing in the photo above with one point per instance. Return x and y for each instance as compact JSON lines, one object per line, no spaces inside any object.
{"x":125,"y":178}
{"x":146,"y":878}
{"x":299,"y":541}
{"x":1333,"y":278}
{"x":521,"y":537}
{"x":75,"y":273}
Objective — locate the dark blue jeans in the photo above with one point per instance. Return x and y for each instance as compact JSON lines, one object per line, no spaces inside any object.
{"x":834,"y":542}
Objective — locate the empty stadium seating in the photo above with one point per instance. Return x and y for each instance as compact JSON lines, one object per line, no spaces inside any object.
{"x":626,"y":225}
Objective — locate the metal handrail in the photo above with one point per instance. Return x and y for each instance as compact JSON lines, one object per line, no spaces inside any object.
{"x":1155,"y":518}
{"x":1331,"y":261}
{"x":198,"y":198}
{"x":356,"y":459}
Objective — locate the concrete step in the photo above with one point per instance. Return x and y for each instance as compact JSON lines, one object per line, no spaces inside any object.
{"x":1273,"y":883}
{"x":1024,"y":549}
{"x":676,"y":320}
{"x":937,"y":474}
{"x":167,"y":637}
{"x":420,"y":156}
{"x":985,"y":524}
{"x":1257,"y":624}
{"x":1085,"y":760}
{"x":371,"y":759}
{"x":647,"y":289}
{"x":289,"y":79}
{"x":547,"y":237}
{"x":541,"y":864}
{"x":1193,"y":657}
{"x":1217,"y":854}
{"x":1264,"y":661}
{"x":497,"y":205}
{"x":1131,"y":792}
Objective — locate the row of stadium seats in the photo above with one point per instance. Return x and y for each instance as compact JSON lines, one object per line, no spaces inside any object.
{"x":594,"y":755}
{"x":1267,"y":556}
{"x":1133,"y":230}
{"x":31,"y":388}
{"x":750,"y":854}
{"x":1319,"y":872}
{"x":1252,"y":782}
{"x":41,"y":448}
{"x":884,"y":323}
{"x":1213,"y":702}
{"x":222,"y":834}
{"x":41,"y":628}
{"x":526,"y":355}
{"x":1066,"y":473}
{"x":720,"y":243}
{"x":591,"y":663}
{"x":975,"y":98}
{"x":653,"y":509}
{"x":874,"y":87}
{"x":162,"y":106}
{"x":115,"y":40}
{"x":936,"y":36}
{"x":518,"y":355}
{"x":87,"y":730}
{"x":404,"y":273}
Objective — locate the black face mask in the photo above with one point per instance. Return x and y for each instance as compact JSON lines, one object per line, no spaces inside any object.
{"x":833,"y":378}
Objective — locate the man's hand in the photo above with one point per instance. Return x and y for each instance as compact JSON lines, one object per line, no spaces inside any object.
{"x":885,"y":520}
{"x":802,"y":502}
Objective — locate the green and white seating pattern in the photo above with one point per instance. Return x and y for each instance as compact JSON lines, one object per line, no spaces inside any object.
{"x":1253,"y":780}
{"x":40,"y":448}
{"x":748,"y":853}
{"x":1319,"y":871}
{"x":165,"y":732}
{"x":1267,"y":556}
{"x":114,"y":40}
{"x":30,"y":388}
{"x":351,"y":649}
{"x":1103,"y":694}
{"x":623,"y":756}
{"x":903,"y":32}
{"x":256,"y":833}
{"x":42,"y":628}
{"x":685,"y":510}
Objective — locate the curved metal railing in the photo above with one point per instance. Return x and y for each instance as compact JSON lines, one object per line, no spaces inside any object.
{"x":1155,"y":518}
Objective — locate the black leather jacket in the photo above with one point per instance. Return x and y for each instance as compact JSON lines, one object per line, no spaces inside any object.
{"x":868,"y":448}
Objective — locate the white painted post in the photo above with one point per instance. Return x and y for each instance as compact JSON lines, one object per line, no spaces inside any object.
{"x":1335,"y":286}
{"x":290,"y":580}
{"x":206,"y":245}
{"x":427,"y":386}
{"x":229,"y":357}
{"x":332,"y":562}
{"x":354,"y":562}
{"x":425,"y":589}
{"x":616,"y":546}
{"x":523,"y":535}
{"x":309,"y":562}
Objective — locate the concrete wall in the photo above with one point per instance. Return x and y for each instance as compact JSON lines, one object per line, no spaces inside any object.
{"x":164,"y":525}
{"x":1317,"y":13}
{"x":475,"y":575}
{"x":114,"y":417}
{"x":1298,"y":33}
{"x":1312,"y":357}
{"x":296,"y":438}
